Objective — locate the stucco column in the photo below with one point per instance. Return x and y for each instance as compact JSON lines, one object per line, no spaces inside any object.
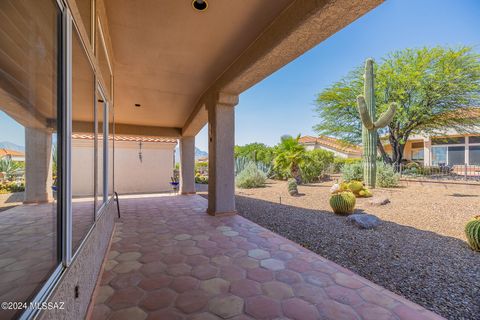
{"x":38,"y":166}
{"x":221,"y":140}
{"x":187,"y":165}
{"x":427,"y":151}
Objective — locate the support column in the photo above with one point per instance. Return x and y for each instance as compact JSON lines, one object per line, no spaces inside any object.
{"x":38,"y":166}
{"x":221,"y":166}
{"x":187,"y":165}
{"x":427,"y":151}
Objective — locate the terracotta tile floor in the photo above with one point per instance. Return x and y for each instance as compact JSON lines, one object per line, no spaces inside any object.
{"x":28,"y":247}
{"x":170,"y":260}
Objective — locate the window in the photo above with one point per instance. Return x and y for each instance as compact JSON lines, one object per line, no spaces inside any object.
{"x":103,"y":59}
{"x":456,"y":155}
{"x":111,"y":146}
{"x":439,"y":156}
{"x":418,"y":154}
{"x":100,"y":149}
{"x":474,"y":155}
{"x":29,"y":125}
{"x":474,"y":139}
{"x":448,"y":140}
{"x":85,"y":9}
{"x":83,"y":143}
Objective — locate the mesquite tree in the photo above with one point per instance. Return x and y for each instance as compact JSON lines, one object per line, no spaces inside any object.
{"x":435,"y":89}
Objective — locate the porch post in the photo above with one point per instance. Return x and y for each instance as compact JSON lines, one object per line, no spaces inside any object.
{"x":187,"y":165}
{"x":221,"y":140}
{"x":38,"y":166}
{"x":427,"y":150}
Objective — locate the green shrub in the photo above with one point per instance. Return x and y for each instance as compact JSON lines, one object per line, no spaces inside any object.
{"x":292,"y":187}
{"x":201,"y":178}
{"x":338,"y":163}
{"x":12,"y":186}
{"x":242,"y":162}
{"x":316,"y":164}
{"x":386,"y":176}
{"x":352,"y":171}
{"x":250,"y":177}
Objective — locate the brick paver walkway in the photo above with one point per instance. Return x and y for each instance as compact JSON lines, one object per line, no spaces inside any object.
{"x":170,"y":260}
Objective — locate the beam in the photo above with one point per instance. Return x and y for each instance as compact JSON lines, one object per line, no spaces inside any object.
{"x":26,"y":115}
{"x":130,"y":130}
{"x":300,"y":27}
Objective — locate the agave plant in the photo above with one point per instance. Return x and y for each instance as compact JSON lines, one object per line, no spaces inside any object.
{"x":10,"y":168}
{"x":242,"y":162}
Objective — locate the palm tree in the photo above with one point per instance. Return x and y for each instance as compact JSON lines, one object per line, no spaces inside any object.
{"x":289,"y":155}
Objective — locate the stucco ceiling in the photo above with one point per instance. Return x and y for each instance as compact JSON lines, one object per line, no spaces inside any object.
{"x":166,"y":54}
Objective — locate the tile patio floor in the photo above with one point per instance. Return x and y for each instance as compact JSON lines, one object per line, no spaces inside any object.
{"x":28,"y":247}
{"x":170,"y":260}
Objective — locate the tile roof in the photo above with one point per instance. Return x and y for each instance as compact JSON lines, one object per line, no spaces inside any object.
{"x":12,"y":153}
{"x":83,"y":136}
{"x":332,"y":143}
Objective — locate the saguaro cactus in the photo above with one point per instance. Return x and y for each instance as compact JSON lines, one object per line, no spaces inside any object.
{"x":366,"y":108}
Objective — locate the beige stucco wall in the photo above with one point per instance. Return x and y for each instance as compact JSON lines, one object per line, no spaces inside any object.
{"x":336,"y":153}
{"x":150,"y":175}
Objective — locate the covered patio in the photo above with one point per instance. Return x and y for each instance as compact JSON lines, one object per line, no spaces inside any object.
{"x":169,"y":260}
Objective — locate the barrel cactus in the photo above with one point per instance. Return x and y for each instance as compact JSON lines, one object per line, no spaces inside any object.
{"x":366,"y":108}
{"x":472,"y":231}
{"x":292,"y":187}
{"x":343,"y":202}
{"x":359,"y":189}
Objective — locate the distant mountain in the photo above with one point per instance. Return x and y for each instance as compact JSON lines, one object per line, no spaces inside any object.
{"x":198,"y":154}
{"x":11,"y":146}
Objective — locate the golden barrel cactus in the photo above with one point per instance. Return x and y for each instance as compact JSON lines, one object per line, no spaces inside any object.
{"x":472,"y":231}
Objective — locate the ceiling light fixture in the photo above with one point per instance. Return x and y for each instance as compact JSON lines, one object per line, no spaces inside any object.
{"x":200,"y":5}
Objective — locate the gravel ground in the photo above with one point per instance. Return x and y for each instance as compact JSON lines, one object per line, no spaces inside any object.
{"x":419,"y":250}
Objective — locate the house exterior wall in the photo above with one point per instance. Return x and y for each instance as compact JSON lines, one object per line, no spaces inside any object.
{"x":337,"y":153}
{"x":150,"y":175}
{"x":428,"y":147}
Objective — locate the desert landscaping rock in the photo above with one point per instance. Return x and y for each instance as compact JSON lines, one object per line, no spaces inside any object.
{"x":364,"y":221}
{"x":379,"y":201}
{"x":419,"y":250}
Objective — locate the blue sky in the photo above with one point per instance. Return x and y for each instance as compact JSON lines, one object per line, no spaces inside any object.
{"x":283,"y":103}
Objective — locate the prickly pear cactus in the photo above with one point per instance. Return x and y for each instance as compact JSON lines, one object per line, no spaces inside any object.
{"x":472,"y":231}
{"x":366,"y":108}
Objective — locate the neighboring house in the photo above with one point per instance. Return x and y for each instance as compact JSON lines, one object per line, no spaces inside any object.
{"x":339,"y":148}
{"x":12,"y":155}
{"x":142,"y":164}
{"x":447,"y":147}
{"x":450,"y":148}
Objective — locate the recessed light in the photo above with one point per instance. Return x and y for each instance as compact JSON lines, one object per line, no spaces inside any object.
{"x":200,"y":5}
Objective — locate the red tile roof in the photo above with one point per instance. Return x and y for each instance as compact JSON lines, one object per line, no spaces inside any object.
{"x":332,"y":143}
{"x":128,"y":138}
{"x":12,"y":153}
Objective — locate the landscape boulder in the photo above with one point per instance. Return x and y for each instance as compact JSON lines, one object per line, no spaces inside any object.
{"x":379,"y":201}
{"x":364,"y":221}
